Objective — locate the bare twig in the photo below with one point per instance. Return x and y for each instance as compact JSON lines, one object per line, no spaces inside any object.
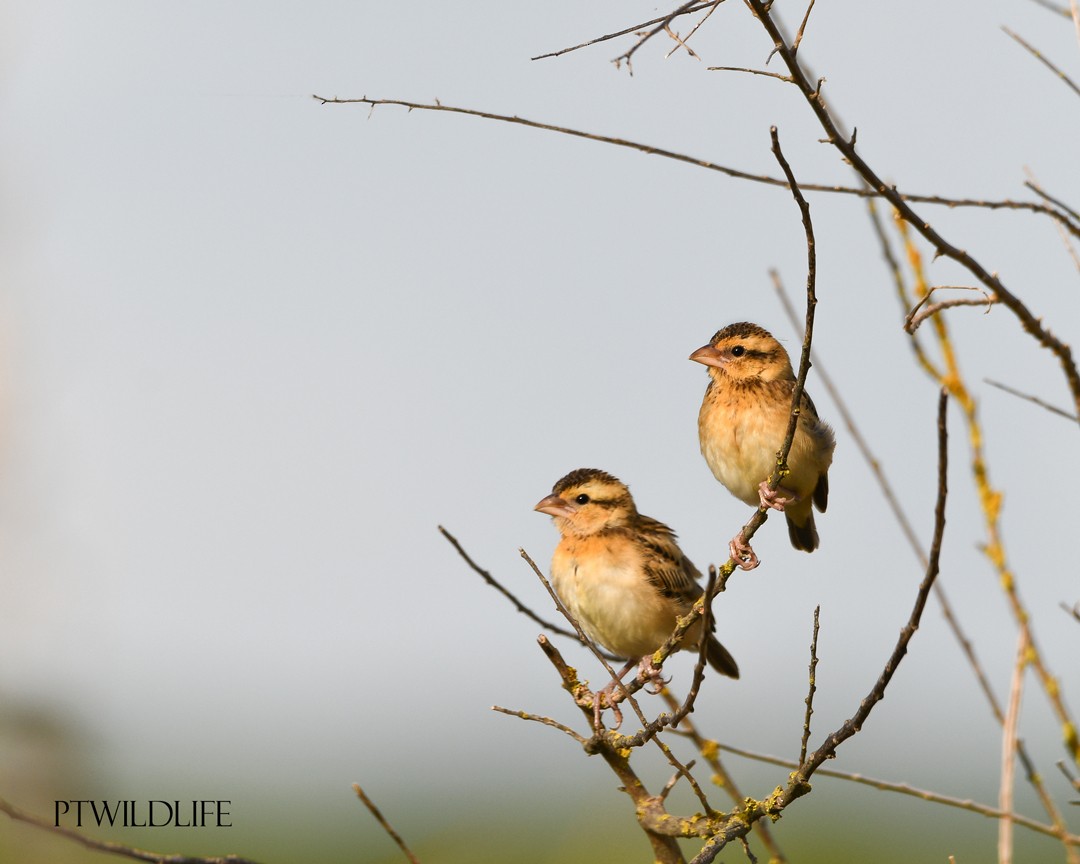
{"x":694,"y":30}
{"x":916,"y":317}
{"x":1071,"y":840}
{"x":626,"y":690}
{"x":1071,"y":225}
{"x":1046,"y":196}
{"x":546,"y":721}
{"x":1054,"y":7}
{"x":494,"y":583}
{"x":685,"y":10}
{"x":1038,"y":56}
{"x":377,"y":814}
{"x":1008,"y":752}
{"x":1052,"y":408}
{"x":811,"y":305}
{"x":664,"y":25}
{"x":777,"y":75}
{"x":813,"y":688}
{"x":114,"y":848}
{"x":802,"y":29}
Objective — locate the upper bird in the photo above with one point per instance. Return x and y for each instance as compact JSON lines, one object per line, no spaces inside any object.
{"x":741,"y":426}
{"x":620,"y":574}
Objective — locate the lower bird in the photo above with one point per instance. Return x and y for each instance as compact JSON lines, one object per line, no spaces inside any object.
{"x":742,"y":424}
{"x":622,"y":575}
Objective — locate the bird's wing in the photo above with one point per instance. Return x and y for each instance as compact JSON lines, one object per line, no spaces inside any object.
{"x":666,"y":568}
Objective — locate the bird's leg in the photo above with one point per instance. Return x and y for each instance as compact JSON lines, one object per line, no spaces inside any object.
{"x":609,"y":693}
{"x":776,"y":499}
{"x":741,"y":553}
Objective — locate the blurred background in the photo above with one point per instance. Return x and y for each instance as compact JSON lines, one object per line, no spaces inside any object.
{"x":254,"y":349}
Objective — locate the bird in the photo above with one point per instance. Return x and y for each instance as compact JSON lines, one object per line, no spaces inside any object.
{"x":742,"y":425}
{"x":622,"y":575}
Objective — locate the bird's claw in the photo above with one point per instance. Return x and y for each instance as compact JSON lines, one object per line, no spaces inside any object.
{"x":651,"y":676}
{"x":744,"y":557}
{"x":775,"y":499}
{"x":600,"y":697}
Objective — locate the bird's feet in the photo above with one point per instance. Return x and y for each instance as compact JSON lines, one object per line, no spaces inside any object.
{"x":744,"y":557}
{"x":603,"y":699}
{"x":651,"y":676}
{"x":775,"y":499}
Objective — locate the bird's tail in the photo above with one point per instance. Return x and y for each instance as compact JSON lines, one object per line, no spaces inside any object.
{"x":803,"y":536}
{"x":720,"y":659}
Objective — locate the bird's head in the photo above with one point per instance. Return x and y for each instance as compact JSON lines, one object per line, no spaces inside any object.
{"x":744,"y":352}
{"x":588,"y":501}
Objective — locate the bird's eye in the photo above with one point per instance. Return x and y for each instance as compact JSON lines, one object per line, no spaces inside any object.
{"x":582,"y":498}
{"x":738,"y":351}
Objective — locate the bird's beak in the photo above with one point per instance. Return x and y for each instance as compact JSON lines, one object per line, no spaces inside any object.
{"x":553,"y":505}
{"x":709,"y":356}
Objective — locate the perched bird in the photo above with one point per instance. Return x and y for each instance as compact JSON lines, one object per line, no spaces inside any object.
{"x":620,"y":574}
{"x":742,"y":424}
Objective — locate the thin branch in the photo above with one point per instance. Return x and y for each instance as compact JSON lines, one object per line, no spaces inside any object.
{"x":113,"y":848}
{"x":1054,"y":7}
{"x":546,"y":721}
{"x":687,"y":10}
{"x":1008,"y":751}
{"x":626,"y":691}
{"x":1052,"y":408}
{"x":694,"y":30}
{"x":498,"y":586}
{"x":916,"y":317}
{"x":375,"y":812}
{"x":802,"y":29}
{"x":1073,"y":226}
{"x":1071,"y":840}
{"x":1038,"y":56}
{"x":777,"y":75}
{"x":1046,"y":196}
{"x":811,"y":304}
{"x":813,"y":687}
{"x":645,"y":37}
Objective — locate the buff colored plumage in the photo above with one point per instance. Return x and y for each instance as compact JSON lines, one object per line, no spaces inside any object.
{"x":741,"y":426}
{"x":622,"y":574}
